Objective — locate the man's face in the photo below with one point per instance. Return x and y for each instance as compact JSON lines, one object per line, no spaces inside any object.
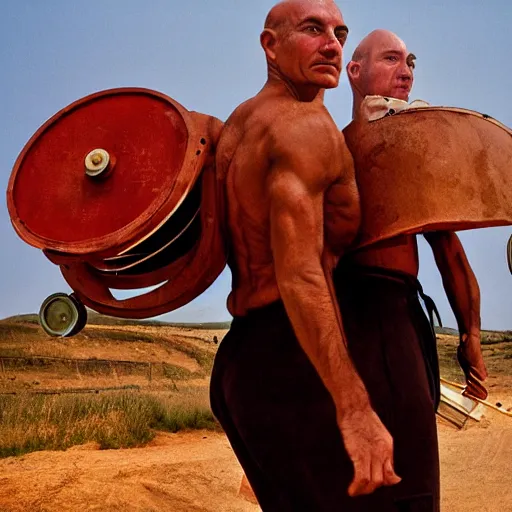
{"x":388,"y":70}
{"x":309,"y":48}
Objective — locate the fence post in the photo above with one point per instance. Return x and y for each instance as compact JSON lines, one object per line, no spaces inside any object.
{"x":78,"y":370}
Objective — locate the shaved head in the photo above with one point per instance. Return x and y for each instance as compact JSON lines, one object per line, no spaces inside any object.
{"x":276,"y":16}
{"x":377,"y":39}
{"x":283,"y":13}
{"x":303,"y":42}
{"x":381,"y":65}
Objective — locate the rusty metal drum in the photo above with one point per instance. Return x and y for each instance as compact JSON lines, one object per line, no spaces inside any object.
{"x":428,"y":169}
{"x":119,"y":189}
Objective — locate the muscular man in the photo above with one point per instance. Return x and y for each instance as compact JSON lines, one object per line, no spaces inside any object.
{"x":389,"y":337}
{"x":283,"y":386}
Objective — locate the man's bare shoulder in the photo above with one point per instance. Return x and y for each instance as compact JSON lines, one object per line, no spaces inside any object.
{"x":304,"y":127}
{"x":305,"y":136}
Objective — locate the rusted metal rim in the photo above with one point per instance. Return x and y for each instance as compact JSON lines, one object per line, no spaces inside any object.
{"x":164,"y":205}
{"x":438,"y":169}
{"x":169,"y":242}
{"x":183,"y":280}
{"x":448,"y":109}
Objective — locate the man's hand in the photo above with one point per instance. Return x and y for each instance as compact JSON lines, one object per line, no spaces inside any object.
{"x":463,"y":293}
{"x":469,"y":355}
{"x":370,"y":447}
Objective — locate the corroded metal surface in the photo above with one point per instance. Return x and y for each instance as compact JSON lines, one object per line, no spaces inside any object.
{"x":119,"y":189}
{"x":430,"y":169}
{"x":155,"y":152}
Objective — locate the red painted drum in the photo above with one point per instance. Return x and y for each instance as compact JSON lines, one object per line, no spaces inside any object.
{"x":428,"y":169}
{"x":120,"y":190}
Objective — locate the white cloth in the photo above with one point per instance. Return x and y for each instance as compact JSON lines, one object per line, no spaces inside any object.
{"x":377,"y":107}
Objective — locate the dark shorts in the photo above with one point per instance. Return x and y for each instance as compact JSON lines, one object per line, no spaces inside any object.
{"x":280,"y":419}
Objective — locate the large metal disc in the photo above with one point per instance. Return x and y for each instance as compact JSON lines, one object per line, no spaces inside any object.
{"x":104,"y":172}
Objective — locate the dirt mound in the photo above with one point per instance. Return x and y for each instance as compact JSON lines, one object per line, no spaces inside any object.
{"x":185,"y":472}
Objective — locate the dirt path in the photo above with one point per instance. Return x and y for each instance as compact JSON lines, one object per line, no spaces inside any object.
{"x":197,"y":472}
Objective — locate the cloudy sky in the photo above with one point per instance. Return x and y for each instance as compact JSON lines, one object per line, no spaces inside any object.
{"x":206,"y":55}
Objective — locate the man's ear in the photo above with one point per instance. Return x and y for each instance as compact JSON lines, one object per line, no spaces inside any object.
{"x":268,"y":40}
{"x":353,"y":71}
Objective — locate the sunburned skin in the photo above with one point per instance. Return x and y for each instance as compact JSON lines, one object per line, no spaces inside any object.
{"x":382,"y":65}
{"x":246,"y":148}
{"x":292,"y":118}
{"x":292,"y":204}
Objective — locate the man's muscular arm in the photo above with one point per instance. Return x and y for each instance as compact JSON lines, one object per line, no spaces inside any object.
{"x":463,"y":294}
{"x":302,"y":159}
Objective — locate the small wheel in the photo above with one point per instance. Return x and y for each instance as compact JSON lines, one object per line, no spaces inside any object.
{"x":62,"y":315}
{"x":509,"y":253}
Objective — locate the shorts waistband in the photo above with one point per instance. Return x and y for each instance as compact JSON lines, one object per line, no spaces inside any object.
{"x":353,"y":271}
{"x":273,"y":310}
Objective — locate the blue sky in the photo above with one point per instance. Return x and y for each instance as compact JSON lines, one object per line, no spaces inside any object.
{"x":206,"y":55}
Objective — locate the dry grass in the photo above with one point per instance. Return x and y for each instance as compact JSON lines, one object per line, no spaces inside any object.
{"x":30,"y":422}
{"x":115,"y":420}
{"x":203,"y":357}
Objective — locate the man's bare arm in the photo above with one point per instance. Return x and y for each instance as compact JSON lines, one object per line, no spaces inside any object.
{"x":298,"y":179}
{"x":463,"y":293}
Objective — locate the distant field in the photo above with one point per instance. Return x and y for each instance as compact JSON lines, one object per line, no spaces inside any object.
{"x":98,"y":319}
{"x":25,"y":346}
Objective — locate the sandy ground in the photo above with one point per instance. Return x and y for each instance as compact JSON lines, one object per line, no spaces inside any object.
{"x":197,"y":471}
{"x":476,"y":466}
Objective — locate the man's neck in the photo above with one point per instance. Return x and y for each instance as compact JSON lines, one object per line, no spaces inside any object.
{"x":356,"y":104}
{"x":282,"y":85}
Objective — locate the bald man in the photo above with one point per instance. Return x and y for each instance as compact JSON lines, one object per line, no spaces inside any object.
{"x":389,"y":337}
{"x":381,"y":65}
{"x":283,"y":386}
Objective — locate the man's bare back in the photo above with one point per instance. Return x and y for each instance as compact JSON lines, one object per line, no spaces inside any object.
{"x":251,"y":136}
